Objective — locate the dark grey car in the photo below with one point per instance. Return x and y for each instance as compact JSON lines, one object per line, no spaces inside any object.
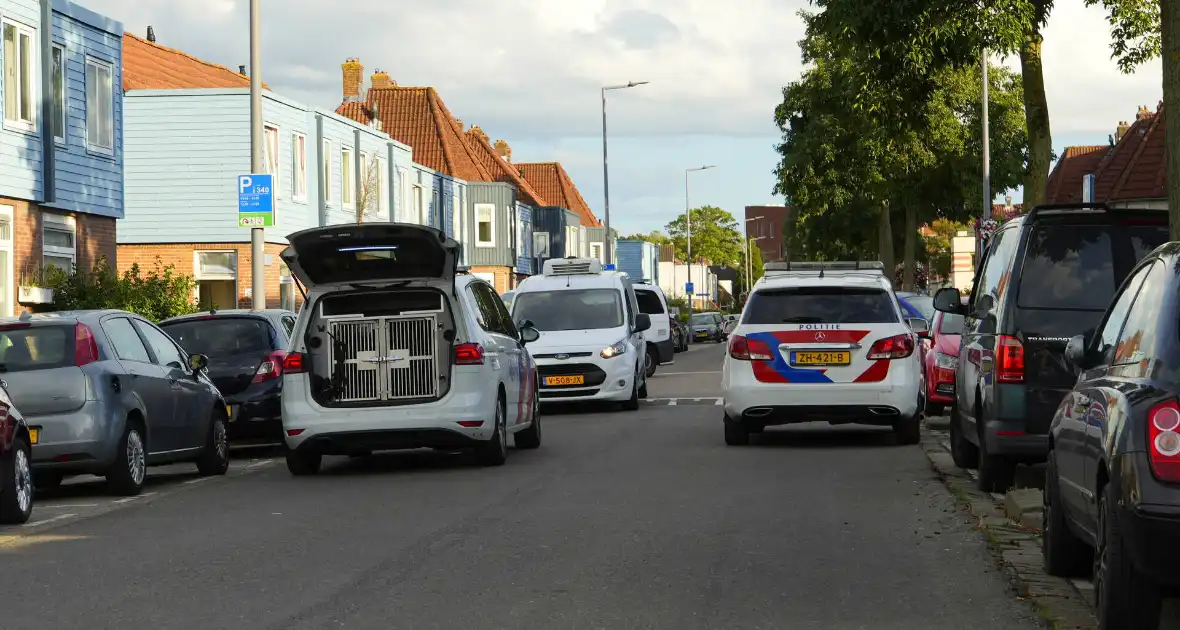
{"x":108,"y":393}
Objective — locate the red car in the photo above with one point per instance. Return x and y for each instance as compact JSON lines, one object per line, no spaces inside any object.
{"x":941,"y":360}
{"x":16,"y":479}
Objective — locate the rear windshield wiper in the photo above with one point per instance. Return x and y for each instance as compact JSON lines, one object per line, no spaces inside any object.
{"x":393,"y":285}
{"x":802,"y":320}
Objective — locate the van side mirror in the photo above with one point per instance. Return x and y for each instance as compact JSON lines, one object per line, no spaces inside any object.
{"x":642,"y":322}
{"x":949,"y":300}
{"x":1078,"y":354}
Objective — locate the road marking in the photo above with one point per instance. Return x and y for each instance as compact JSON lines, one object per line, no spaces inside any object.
{"x":65,"y":506}
{"x":672,"y":403}
{"x":259,"y":464}
{"x":197,"y":480}
{"x":13,"y":542}
{"x":685,"y":373}
{"x":59,"y":517}
{"x":135,"y":498}
{"x":719,"y":402}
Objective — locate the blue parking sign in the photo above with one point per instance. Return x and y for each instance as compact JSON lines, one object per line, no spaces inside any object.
{"x":688,"y":288}
{"x":256,"y":201}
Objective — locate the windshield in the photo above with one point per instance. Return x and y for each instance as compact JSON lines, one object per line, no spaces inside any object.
{"x":649,"y":302}
{"x":36,"y":348}
{"x":951,"y":324}
{"x":816,"y":305}
{"x":924,"y":304}
{"x":701,"y":319}
{"x":571,"y":309}
{"x":222,"y":336}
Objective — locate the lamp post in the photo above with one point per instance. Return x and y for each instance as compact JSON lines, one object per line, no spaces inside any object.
{"x":257,"y":163}
{"x":986,"y":151}
{"x":688,"y":230}
{"x":605,"y":176}
{"x":749,"y":266}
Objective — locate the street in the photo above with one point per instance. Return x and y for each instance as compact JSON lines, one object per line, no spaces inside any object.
{"x":620,"y":520}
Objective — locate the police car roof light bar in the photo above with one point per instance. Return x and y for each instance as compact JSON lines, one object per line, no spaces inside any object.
{"x":819,"y":269}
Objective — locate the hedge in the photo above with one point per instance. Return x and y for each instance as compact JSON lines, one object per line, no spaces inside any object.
{"x":158,"y":294}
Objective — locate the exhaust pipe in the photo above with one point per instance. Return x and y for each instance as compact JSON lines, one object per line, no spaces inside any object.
{"x":883,"y":411}
{"x":757,"y":412}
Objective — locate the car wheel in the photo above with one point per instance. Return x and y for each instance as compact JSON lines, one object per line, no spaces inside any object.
{"x":649,"y":361}
{"x":996,"y":472}
{"x":908,"y":430}
{"x":736,"y":433}
{"x":16,"y":494}
{"x":214,"y":459}
{"x":303,"y":463}
{"x":128,"y":473}
{"x":963,"y":452}
{"x":530,"y":438}
{"x":632,"y":403}
{"x":1065,"y":554}
{"x":1126,"y":599}
{"x":494,"y":452}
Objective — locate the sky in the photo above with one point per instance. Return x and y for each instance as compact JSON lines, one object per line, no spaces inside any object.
{"x":529,"y":72}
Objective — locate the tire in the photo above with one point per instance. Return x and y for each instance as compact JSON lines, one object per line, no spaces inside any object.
{"x":16,"y":495}
{"x":996,"y":472}
{"x":963,"y":452}
{"x":530,"y":438}
{"x":494,"y":452}
{"x":127,"y":474}
{"x":736,"y":433}
{"x":1065,"y":554}
{"x":649,"y":361}
{"x":933,"y":409}
{"x":908,"y":430}
{"x":48,"y":479}
{"x":304,"y":463}
{"x":214,"y":459}
{"x":632,"y":403}
{"x":1125,"y":599}
{"x":643,"y":389}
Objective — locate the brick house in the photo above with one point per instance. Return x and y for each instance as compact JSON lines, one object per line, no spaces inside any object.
{"x":766,"y":223}
{"x":1129,"y":171}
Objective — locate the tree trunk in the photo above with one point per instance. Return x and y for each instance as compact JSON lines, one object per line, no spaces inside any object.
{"x":1036,"y":118}
{"x":1170,"y":49}
{"x":911,"y":230}
{"x":885,"y":241}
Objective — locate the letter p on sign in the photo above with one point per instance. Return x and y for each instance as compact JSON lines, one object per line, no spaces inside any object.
{"x":245,"y":183}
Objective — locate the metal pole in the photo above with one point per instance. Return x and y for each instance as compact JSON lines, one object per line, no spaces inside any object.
{"x":257,"y":238}
{"x":688,"y":236}
{"x":605,"y":184}
{"x":986,"y":150}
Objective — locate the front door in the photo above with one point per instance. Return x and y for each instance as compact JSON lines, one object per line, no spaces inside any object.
{"x":190,"y":420}
{"x":146,"y":384}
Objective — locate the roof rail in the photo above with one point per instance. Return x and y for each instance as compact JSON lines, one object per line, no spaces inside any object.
{"x":820,"y":269}
{"x":1059,"y":208}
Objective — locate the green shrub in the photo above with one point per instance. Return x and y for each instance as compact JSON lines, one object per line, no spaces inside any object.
{"x":158,"y":294}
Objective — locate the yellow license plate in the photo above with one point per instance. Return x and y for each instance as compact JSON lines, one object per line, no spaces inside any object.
{"x":565,"y":380}
{"x":34,"y":436}
{"x":822,"y":358}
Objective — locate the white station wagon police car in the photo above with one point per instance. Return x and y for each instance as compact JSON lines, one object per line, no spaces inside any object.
{"x":822,"y":342}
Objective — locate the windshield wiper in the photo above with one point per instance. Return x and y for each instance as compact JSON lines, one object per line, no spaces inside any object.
{"x":392,"y":285}
{"x":802,"y":320}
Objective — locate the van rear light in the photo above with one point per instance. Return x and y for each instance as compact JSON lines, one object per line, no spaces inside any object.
{"x":1009,"y":360}
{"x":1163,"y":438}
{"x":292,"y":363}
{"x":746,"y":349}
{"x":85,"y":346}
{"x":895,"y":347}
{"x":271,"y":367}
{"x":469,"y":354}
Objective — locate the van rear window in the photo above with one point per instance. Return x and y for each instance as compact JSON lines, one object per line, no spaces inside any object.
{"x":1075,"y":267}
{"x":649,"y":302}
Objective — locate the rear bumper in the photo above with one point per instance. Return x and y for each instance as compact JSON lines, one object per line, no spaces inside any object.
{"x":1011,"y":439}
{"x":746,"y":397}
{"x":1150,"y":532}
{"x":666,"y":349}
{"x":81,"y":441}
{"x":877,"y":415}
{"x":256,"y":414}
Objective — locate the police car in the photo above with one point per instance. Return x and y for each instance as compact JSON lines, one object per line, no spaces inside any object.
{"x":823,"y":342}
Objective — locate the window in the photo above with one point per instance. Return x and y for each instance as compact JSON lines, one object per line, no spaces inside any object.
{"x":326,"y":158}
{"x":58,"y":234}
{"x":403,"y":191}
{"x":20,"y":75}
{"x":365,"y":184}
{"x":649,"y":302}
{"x":299,"y":166}
{"x":346,"y":172}
{"x":100,"y":106}
{"x":270,"y":137}
{"x":596,"y":251}
{"x":456,"y":216}
{"x":382,"y":190}
{"x":167,"y":352}
{"x":1113,"y":325}
{"x":820,"y":305}
{"x":436,"y":211}
{"x":286,"y":288}
{"x":570,"y":309}
{"x":951,"y":324}
{"x":128,"y":345}
{"x":491,"y":309}
{"x":571,"y":241}
{"x":7,"y":271}
{"x":419,"y":215}
{"x":59,"y":93}
{"x":288,"y":324}
{"x":224,"y":336}
{"x":1139,"y":338}
{"x":541,"y":244}
{"x":217,"y":265}
{"x":37,"y":348}
{"x":995,"y":275}
{"x":485,"y":225}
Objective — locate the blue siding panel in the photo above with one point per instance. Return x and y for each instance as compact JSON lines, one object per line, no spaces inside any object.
{"x":20,"y":151}
{"x":291,"y":215}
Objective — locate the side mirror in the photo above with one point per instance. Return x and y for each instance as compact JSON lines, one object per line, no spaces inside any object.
{"x":949,"y":300}
{"x":197,"y":362}
{"x":919,"y":326}
{"x":642,"y":322}
{"x":528,"y":334}
{"x":1077,"y":354}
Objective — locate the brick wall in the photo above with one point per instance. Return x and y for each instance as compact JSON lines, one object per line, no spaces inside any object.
{"x":502,"y":276}
{"x":182,"y":256}
{"x":96,"y":239}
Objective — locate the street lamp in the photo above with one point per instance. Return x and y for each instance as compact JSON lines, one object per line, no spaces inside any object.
{"x":688,"y":228}
{"x":749,"y":266}
{"x":605,"y":176}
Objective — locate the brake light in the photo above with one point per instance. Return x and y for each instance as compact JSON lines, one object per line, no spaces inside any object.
{"x":272,"y":367}
{"x":746,"y":349}
{"x":292,"y":363}
{"x":1163,"y":422}
{"x":85,"y":346}
{"x":895,"y":347}
{"x":469,"y":354}
{"x":1009,"y":360}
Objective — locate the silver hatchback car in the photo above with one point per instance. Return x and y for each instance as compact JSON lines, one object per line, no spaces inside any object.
{"x":108,"y":393}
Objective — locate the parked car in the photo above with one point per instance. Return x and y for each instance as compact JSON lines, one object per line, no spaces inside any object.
{"x":1112,"y":483}
{"x":660,"y":345}
{"x":397,"y":349}
{"x":108,"y":393}
{"x":941,"y":361}
{"x":16,"y":465}
{"x":707,"y":326}
{"x":246,"y":350}
{"x":679,"y":328}
{"x":1045,"y":277}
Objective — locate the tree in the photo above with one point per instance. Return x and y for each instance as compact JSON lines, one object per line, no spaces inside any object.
{"x":368,"y":202}
{"x":655,"y":236}
{"x":715,"y":237}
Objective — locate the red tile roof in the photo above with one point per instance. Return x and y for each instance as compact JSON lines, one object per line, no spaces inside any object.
{"x":555,"y":185}
{"x":1135,"y":168}
{"x":150,"y":66}
{"x":1065,"y":182}
{"x":501,"y":169}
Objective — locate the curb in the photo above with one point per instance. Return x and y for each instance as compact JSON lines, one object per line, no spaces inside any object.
{"x":1016,"y":549}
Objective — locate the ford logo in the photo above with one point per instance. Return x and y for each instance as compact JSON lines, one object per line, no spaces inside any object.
{"x":561,"y":357}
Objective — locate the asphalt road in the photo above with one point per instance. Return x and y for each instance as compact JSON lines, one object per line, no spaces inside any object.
{"x":621,"y":520}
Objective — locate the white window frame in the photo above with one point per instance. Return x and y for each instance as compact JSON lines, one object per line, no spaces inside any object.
{"x":109,"y":68}
{"x":456,"y":216}
{"x":271,"y":145}
{"x":403,"y":193}
{"x":198,"y":276}
{"x":299,"y":166}
{"x":326,"y":168}
{"x":596,"y":250}
{"x":491,"y":211}
{"x":347,"y":178}
{"x":34,"y":99}
{"x":541,"y":244}
{"x":59,"y":223}
{"x":8,"y":245}
{"x":61,"y":119}
{"x":418,"y":209}
{"x":382,"y":189}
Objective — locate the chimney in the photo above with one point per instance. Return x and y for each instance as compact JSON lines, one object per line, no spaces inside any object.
{"x":503,"y":150}
{"x":380,"y":79}
{"x":459,"y":121}
{"x":1142,"y":113}
{"x":1121,"y":130}
{"x":478,"y":132}
{"x":242,"y":70}
{"x":354,"y":77}
{"x":1008,"y":201}
{"x":151,"y":35}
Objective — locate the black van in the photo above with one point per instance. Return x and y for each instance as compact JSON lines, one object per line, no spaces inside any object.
{"x":1045,"y":277}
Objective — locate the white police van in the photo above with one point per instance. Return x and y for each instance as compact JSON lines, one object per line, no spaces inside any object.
{"x":822,"y":342}
{"x":591,"y":344}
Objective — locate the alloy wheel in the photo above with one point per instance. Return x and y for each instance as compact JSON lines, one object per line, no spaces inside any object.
{"x":220,"y":441}
{"x":502,"y":428}
{"x":136,"y":460}
{"x":1100,"y":554}
{"x":23,"y":475}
